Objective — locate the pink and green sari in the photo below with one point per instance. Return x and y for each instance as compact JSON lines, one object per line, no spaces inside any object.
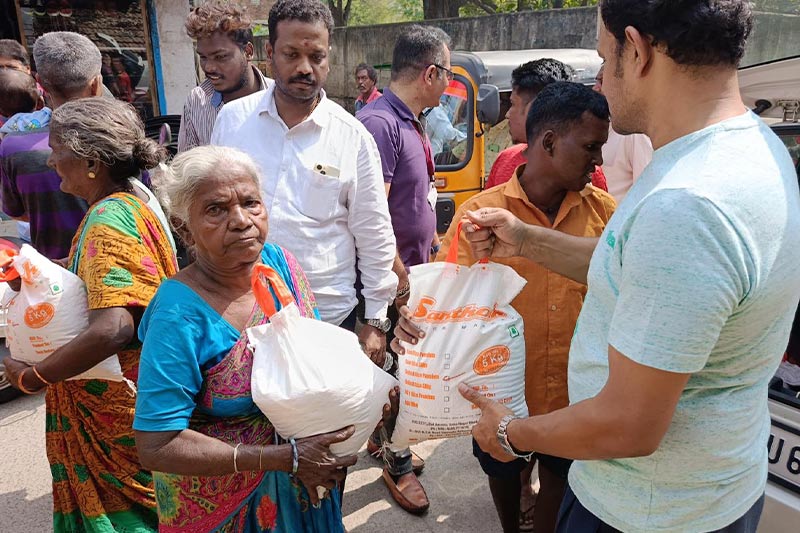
{"x":247,"y":501}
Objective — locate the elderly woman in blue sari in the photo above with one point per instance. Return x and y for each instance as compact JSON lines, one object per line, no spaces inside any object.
{"x":215,"y":460}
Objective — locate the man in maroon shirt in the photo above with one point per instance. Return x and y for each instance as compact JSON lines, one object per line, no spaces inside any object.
{"x":527,"y":81}
{"x":366,"y":83}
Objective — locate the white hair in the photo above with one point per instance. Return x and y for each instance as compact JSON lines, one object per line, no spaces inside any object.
{"x":176,"y":184}
{"x":65,"y":61}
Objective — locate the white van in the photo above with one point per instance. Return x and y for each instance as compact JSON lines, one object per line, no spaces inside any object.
{"x":773,"y":91}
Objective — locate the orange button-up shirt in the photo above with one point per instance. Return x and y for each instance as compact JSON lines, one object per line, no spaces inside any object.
{"x":550,"y":303}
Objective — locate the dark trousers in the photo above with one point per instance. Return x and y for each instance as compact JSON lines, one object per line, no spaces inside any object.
{"x":575,"y":518}
{"x":398,"y":463}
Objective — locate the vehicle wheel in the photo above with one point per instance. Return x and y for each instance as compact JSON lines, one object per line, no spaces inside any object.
{"x":7,"y":392}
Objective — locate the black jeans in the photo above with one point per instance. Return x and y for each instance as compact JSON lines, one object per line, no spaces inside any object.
{"x":575,"y":518}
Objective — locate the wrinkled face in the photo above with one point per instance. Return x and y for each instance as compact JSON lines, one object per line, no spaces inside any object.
{"x":73,"y":171}
{"x":13,"y":64}
{"x":617,"y":85}
{"x":300,"y":59}
{"x":576,"y":151}
{"x":227,"y":219}
{"x":517,"y":114}
{"x":364,"y":83}
{"x":224,"y":62}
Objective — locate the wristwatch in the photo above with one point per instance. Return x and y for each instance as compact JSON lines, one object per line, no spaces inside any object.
{"x":502,"y":438}
{"x":383,"y":324}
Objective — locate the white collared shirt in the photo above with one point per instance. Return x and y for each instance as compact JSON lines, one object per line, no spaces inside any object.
{"x":326,"y":220}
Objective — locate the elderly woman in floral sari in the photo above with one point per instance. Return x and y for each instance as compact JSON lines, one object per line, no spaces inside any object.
{"x":122,"y":251}
{"x":217,"y":463}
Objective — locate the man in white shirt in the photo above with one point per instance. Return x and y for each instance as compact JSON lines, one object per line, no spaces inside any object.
{"x":322,"y":178}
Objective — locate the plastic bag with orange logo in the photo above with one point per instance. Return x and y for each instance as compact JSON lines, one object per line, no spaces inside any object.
{"x":310,"y":377}
{"x":49,"y":311}
{"x":473,"y":335}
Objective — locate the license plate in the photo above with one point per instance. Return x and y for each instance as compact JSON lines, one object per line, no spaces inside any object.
{"x":784,"y":456}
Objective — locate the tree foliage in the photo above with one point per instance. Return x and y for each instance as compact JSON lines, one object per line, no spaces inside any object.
{"x":364,"y":12}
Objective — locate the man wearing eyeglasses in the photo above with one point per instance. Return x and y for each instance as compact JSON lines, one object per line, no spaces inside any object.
{"x":420,"y":74}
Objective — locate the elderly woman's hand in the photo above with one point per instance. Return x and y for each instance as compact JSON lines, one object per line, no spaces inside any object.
{"x":406,"y":331}
{"x":317,"y":466}
{"x":389,"y":416}
{"x":15,"y":370}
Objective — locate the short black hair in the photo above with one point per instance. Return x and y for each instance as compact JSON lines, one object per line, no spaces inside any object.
{"x":562,"y":104}
{"x":371,"y":72}
{"x":303,"y":10}
{"x":531,"y":77}
{"x":417,"y":48}
{"x":18,"y":92}
{"x":692,"y":32}
{"x":14,"y":50}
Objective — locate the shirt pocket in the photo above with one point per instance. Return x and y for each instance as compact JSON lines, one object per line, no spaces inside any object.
{"x":321,"y":195}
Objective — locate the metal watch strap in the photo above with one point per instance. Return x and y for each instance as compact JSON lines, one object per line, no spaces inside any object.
{"x":502,"y":438}
{"x":382,"y":324}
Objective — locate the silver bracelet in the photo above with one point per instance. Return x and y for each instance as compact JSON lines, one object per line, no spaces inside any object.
{"x":236,"y":456}
{"x":388,"y":362}
{"x":403,"y":292}
{"x":295,"y":458}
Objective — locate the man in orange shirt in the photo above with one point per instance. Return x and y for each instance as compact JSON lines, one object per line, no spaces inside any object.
{"x":567,"y":126}
{"x":527,"y":81}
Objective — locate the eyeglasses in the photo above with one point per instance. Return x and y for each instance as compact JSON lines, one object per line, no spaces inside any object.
{"x":447,"y":72}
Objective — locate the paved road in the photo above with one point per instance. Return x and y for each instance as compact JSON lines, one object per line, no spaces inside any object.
{"x":460,"y":499}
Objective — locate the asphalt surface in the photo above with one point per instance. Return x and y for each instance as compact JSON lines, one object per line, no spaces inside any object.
{"x":460,"y":499}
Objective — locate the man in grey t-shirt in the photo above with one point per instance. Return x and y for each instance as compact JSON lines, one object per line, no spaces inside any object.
{"x":691,"y":289}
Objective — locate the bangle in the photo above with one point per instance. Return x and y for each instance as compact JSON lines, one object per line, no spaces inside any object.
{"x":21,"y":387}
{"x":404,"y":291}
{"x":260,"y":451}
{"x":235,"y":456}
{"x":295,"y":458}
{"x":38,"y":375}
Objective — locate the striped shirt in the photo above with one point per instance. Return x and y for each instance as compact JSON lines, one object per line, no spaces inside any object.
{"x":200,"y":112}
{"x":30,"y":188}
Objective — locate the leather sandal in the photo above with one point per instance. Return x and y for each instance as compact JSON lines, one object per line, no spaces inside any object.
{"x":408,"y":492}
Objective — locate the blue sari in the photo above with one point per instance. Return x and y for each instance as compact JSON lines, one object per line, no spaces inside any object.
{"x":224,"y":409}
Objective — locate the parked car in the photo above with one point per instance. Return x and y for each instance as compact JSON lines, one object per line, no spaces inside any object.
{"x":772,"y":90}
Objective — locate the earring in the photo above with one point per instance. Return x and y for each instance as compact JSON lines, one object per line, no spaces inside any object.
{"x":92,"y":175}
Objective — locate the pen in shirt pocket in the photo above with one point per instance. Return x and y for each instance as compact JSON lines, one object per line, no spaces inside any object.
{"x":326,"y":170}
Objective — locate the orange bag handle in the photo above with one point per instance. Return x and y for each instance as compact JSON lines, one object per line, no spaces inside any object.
{"x":262,"y":277}
{"x":452,"y":252}
{"x":8,"y":272}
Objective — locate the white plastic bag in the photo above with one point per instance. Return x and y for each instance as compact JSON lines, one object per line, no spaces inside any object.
{"x":49,"y":311}
{"x":310,"y":377}
{"x":472,"y":335}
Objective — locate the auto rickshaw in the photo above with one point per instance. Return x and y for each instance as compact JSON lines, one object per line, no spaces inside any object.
{"x":469,"y":129}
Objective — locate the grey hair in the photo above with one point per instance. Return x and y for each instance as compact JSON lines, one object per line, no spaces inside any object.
{"x":65,"y":61}
{"x":416,"y":49}
{"x":108,"y":131}
{"x":176,"y":184}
